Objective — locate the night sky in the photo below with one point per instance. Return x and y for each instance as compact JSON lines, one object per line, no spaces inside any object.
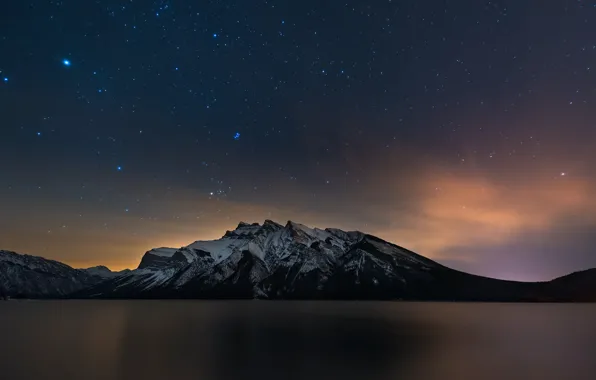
{"x":463,"y":130}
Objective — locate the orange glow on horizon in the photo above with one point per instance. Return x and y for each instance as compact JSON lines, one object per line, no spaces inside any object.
{"x":450,"y":212}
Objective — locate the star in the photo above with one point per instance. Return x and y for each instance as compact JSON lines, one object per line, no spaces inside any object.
{"x":289,"y":90}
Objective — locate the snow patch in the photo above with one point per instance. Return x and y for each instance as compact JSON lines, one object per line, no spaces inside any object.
{"x":163,"y":252}
{"x":219,"y":249}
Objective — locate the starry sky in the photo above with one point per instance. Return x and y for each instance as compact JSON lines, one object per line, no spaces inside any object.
{"x":463,"y":130}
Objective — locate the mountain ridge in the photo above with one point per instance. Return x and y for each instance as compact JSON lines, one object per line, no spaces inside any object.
{"x":28,"y":276}
{"x":293,"y":261}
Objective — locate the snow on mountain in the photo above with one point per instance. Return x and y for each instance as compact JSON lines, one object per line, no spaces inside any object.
{"x":163,"y":252}
{"x":269,"y":260}
{"x":274,"y":261}
{"x":36,"y":277}
{"x":219,"y":249}
{"x":104,"y":272}
{"x":31,"y":262}
{"x":161,"y":258}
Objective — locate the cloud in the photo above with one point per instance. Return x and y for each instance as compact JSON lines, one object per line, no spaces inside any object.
{"x":464,"y":211}
{"x":450,"y":215}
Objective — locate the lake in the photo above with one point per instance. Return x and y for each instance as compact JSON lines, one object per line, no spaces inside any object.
{"x":295,"y":340}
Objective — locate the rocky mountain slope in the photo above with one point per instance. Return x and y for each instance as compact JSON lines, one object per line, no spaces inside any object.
{"x":104,"y":272}
{"x":35,"y":277}
{"x":274,"y":261}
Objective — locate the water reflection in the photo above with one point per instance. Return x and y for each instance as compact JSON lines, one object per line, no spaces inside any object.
{"x":295,"y":340}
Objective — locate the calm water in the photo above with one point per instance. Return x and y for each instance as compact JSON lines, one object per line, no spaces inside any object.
{"x":295,"y":340}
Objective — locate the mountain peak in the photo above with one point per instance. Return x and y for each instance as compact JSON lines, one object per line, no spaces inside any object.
{"x":100,"y":267}
{"x":271,"y":223}
{"x":103,"y":272}
{"x":293,"y":226}
{"x":243,"y":230}
{"x":244,"y":225}
{"x":270,"y":226}
{"x":162,"y":251}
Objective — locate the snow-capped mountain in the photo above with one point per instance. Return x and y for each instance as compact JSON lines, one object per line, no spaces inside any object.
{"x":103,"y":272}
{"x":36,"y":277}
{"x":274,"y":261}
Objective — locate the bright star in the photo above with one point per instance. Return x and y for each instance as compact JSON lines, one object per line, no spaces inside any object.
{"x":119,"y":168}
{"x":5,"y":79}
{"x":237,"y":136}
{"x":66,"y":62}
{"x":214,"y":35}
{"x":39,"y":133}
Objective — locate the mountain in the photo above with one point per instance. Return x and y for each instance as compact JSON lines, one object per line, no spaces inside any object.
{"x":293,"y":261}
{"x":578,"y":286}
{"x":24,"y":276}
{"x":274,"y":261}
{"x":103,"y":272}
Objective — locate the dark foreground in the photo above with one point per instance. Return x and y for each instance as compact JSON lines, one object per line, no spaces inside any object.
{"x":295,"y":340}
